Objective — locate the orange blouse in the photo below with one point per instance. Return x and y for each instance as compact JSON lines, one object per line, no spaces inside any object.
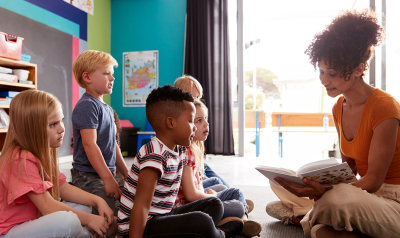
{"x":378,"y":107}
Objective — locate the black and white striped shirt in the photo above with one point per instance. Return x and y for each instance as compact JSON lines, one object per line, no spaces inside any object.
{"x":170,"y":164}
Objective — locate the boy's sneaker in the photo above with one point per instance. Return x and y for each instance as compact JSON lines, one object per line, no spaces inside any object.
{"x":231,"y":226}
{"x":251,"y":228}
{"x":249,"y":206}
{"x":279,"y":211}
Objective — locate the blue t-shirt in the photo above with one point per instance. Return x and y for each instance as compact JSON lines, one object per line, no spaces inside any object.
{"x":90,"y":113}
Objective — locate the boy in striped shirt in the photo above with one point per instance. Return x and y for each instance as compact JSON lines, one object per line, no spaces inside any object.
{"x":153,"y":182}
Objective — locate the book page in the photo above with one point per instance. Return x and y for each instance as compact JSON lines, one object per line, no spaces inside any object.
{"x":331,"y":175}
{"x":316,"y":165}
{"x":288,"y":175}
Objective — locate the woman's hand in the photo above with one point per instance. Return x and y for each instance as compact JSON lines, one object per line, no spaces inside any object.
{"x":311,"y":189}
{"x":98,"y":224}
{"x":105,"y":211}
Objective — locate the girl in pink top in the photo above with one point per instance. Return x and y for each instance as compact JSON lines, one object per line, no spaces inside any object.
{"x":31,"y":185}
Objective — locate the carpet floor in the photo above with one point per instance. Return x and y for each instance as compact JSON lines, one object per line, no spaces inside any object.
{"x":271,"y":227}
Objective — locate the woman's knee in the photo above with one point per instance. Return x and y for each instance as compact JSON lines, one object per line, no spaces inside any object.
{"x":341,"y":196}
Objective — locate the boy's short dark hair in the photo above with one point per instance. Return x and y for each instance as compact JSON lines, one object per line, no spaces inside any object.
{"x":165,"y":101}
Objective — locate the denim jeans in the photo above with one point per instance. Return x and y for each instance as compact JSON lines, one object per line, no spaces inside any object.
{"x":209,"y":173}
{"x":58,"y":225}
{"x":232,"y":209}
{"x":92,"y":183}
{"x":214,"y":183}
{"x":196,"y":220}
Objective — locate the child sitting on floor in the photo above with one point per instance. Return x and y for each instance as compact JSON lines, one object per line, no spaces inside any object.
{"x":31,"y":185}
{"x":191,"y":187}
{"x":150,"y":189}
{"x":96,"y":153}
{"x":211,"y":179}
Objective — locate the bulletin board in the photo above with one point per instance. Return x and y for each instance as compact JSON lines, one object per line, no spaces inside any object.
{"x":51,"y":51}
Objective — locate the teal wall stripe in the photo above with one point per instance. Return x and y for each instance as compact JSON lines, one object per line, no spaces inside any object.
{"x":41,"y":15}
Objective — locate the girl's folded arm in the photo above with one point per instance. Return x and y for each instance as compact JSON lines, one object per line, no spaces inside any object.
{"x":46,"y":204}
{"x":76,"y":195}
{"x":190,"y":192}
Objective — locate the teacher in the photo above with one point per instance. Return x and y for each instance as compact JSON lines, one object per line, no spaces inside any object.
{"x":367,"y":121}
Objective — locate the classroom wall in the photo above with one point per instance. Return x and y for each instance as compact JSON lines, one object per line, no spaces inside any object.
{"x":55,"y":33}
{"x":99,"y":30}
{"x":139,"y":25}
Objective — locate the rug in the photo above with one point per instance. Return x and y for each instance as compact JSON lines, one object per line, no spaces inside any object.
{"x":272,"y":228}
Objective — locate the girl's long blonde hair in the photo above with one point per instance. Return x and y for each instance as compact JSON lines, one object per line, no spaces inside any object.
{"x":197,"y":146}
{"x":29,"y":113}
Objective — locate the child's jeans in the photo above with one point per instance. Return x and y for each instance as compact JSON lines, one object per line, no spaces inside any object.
{"x":196,"y":220}
{"x":92,"y":183}
{"x":214,"y":184}
{"x":57,"y":224}
{"x":230,"y":198}
{"x":209,"y":173}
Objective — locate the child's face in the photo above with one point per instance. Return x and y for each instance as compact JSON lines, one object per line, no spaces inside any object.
{"x":195,"y":93}
{"x":201,"y":122}
{"x":55,"y":129}
{"x":102,"y":80}
{"x":186,"y":128}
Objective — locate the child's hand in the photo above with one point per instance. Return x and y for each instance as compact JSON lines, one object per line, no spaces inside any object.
{"x":105,"y":211}
{"x":211,"y":192}
{"x":98,"y":224}
{"x":112,"y":188}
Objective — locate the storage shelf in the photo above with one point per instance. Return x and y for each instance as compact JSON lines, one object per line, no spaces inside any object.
{"x":20,"y":85}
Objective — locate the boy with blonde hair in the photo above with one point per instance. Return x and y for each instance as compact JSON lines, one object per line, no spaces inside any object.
{"x":96,"y":153}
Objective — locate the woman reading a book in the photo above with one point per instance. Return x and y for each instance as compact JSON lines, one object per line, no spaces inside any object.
{"x":367,"y":121}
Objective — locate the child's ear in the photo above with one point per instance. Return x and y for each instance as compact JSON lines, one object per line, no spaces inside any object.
{"x":85,"y":77}
{"x":171,"y":123}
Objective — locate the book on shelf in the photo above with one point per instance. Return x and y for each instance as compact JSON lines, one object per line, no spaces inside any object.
{"x":9,"y":77}
{"x":5,"y":70}
{"x":326,"y":172}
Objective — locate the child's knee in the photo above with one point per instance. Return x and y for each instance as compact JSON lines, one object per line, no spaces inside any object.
{"x":233,"y":208}
{"x":68,"y":223}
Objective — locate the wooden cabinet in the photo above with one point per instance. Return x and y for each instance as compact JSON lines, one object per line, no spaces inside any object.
{"x":19,"y":87}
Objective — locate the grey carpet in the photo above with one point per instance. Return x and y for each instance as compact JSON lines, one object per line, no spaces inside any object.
{"x":272,"y":228}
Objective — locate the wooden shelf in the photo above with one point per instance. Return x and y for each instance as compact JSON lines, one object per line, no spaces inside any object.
{"x":19,"y":87}
{"x":13,"y":64}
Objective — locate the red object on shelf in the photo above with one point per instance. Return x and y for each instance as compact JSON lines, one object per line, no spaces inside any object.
{"x":125,"y":124}
{"x":10,"y":46}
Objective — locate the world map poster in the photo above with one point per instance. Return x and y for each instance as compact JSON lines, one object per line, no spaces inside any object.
{"x":140,"y":76}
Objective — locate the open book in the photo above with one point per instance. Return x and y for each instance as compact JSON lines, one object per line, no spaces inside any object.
{"x":326,"y":172}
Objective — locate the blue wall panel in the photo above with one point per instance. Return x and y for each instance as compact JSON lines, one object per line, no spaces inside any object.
{"x":138,"y":25}
{"x":41,"y":15}
{"x":67,"y":11}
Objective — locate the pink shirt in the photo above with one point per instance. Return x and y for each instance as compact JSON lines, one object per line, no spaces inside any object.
{"x":20,"y":208}
{"x":180,"y":199}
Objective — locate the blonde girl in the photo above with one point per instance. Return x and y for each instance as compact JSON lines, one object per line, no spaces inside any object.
{"x":211,"y":179}
{"x":31,"y":185}
{"x":191,"y":186}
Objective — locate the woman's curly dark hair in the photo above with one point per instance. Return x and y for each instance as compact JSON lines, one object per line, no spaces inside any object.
{"x":347,"y":42}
